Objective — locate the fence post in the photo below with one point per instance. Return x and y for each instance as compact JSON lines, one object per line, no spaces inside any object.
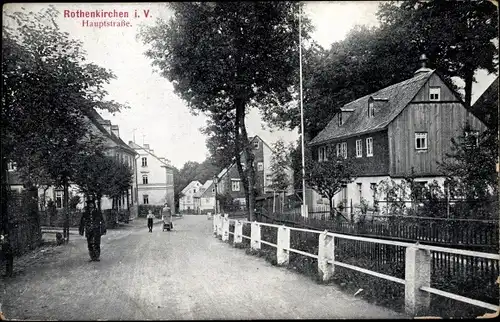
{"x":326,"y":252}
{"x":238,"y":232}
{"x":255,"y":236}
{"x":214,"y":223}
{"x":417,"y":274}
{"x":283,"y":246}
{"x":225,"y":228}
{"x":219,"y":225}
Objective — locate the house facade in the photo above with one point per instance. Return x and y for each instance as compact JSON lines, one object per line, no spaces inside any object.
{"x":154,"y":177}
{"x":402,"y":128}
{"x":207,"y":197}
{"x":116,"y":148}
{"x":113,"y":146}
{"x":229,"y":181}
{"x":188,"y":202}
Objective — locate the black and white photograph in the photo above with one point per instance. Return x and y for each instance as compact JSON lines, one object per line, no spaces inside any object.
{"x":250,"y":160}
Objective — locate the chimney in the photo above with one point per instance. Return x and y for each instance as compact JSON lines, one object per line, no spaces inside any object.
{"x":114,"y":129}
{"x":146,"y":146}
{"x":423,"y":66}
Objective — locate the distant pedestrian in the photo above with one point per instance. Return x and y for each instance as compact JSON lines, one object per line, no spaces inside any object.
{"x":166,"y":216}
{"x":93,"y":225}
{"x":8,"y":254}
{"x":150,"y":221}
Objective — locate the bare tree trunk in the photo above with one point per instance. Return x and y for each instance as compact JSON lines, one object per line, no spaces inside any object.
{"x":5,"y":231}
{"x":469,"y":78}
{"x":241,"y":139}
{"x":332,"y":209}
{"x":66,"y":211}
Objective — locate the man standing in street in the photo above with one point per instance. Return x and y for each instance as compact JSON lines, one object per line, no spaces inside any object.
{"x":92,"y":225}
{"x":150,"y":221}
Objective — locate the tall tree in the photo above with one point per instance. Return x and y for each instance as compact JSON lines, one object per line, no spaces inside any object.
{"x":457,"y":37}
{"x":279,"y":167}
{"x":220,"y":140}
{"x":47,"y":87}
{"x":224,"y":57}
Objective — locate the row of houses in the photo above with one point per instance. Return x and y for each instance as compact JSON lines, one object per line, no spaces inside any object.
{"x":152,"y":183}
{"x":200,"y":198}
{"x":402,"y":128}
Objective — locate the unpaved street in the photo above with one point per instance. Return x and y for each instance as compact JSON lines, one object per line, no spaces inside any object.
{"x":182,"y":274}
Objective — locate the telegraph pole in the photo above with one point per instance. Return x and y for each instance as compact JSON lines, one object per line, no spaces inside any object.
{"x":304,"y":205}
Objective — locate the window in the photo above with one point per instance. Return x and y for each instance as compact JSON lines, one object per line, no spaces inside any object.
{"x":340,"y":118}
{"x":369,"y":147}
{"x":359,"y":148}
{"x":344,"y":149}
{"x":419,"y":189}
{"x":144,"y":161}
{"x":339,"y":149}
{"x":256,"y":144}
{"x":360,"y":191}
{"x":59,"y":199}
{"x":321,"y":153}
{"x":213,"y":189}
{"x":260,"y":166}
{"x":371,"y":109}
{"x":194,"y":190}
{"x":343,"y":194}
{"x":11,"y":166}
{"x":472,"y":138}
{"x":434,"y":93}
{"x":373,"y":188}
{"x":421,"y":140}
{"x":145,"y":199}
{"x":235,"y":185}
{"x":144,"y":179}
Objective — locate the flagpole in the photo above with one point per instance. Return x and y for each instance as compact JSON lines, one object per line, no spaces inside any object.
{"x":304,"y":206}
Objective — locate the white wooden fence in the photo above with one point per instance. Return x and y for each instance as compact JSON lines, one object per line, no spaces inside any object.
{"x":417,"y":262}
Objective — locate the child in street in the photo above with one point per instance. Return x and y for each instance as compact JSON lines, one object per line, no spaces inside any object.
{"x":150,"y":221}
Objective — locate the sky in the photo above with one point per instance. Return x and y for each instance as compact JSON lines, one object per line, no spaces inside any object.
{"x":157,"y":116}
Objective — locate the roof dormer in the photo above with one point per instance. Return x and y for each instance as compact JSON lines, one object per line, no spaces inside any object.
{"x":343,"y":115}
{"x":371,"y":107}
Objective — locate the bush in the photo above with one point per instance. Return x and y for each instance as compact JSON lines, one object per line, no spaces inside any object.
{"x":144,"y":209}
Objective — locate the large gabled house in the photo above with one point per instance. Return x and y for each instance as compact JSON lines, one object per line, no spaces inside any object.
{"x":229,"y":181}
{"x":115,"y":147}
{"x":154,"y":177}
{"x":408,"y":125}
{"x":188,"y":202}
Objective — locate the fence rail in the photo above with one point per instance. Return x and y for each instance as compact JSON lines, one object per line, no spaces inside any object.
{"x":477,"y":235}
{"x":418,"y":260}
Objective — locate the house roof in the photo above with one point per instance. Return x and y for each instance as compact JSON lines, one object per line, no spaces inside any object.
{"x":486,"y":105}
{"x":399,"y":96}
{"x":97,"y":120}
{"x":224,"y":171}
{"x":134,"y":146}
{"x":190,"y":185}
{"x":203,"y":188}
